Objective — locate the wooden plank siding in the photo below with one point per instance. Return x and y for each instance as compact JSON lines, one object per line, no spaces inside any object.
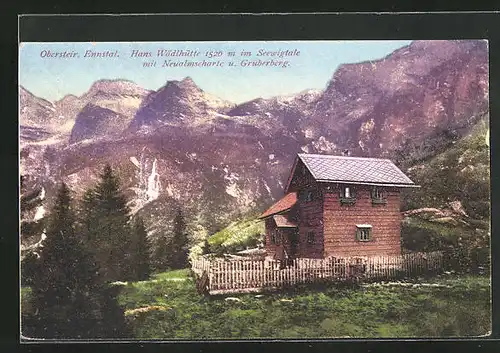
{"x":340,"y":224}
{"x":311,"y":220}
{"x":308,"y":214}
{"x":302,"y":178}
{"x":269,"y":246}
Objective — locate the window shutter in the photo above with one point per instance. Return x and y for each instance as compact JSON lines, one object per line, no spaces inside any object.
{"x":358,"y":233}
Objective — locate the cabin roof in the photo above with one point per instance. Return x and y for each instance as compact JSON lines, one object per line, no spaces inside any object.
{"x":357,"y":170}
{"x":283,"y":222}
{"x":282,"y":205}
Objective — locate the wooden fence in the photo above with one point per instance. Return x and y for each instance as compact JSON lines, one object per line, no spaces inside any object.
{"x":220,"y":276}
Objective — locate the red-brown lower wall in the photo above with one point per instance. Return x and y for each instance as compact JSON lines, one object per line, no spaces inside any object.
{"x":310,"y":220}
{"x":340,"y":225}
{"x":270,"y":248}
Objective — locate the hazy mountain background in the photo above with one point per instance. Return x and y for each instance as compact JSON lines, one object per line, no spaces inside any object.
{"x":425,"y":106}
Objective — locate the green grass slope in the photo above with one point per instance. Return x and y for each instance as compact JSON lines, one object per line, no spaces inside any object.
{"x":237,"y":236}
{"x":168,"y":307}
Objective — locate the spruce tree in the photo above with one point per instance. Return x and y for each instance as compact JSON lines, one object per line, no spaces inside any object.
{"x":66,"y":271}
{"x":29,"y":264}
{"x":88,"y":215}
{"x":106,"y":224}
{"x":70,"y":298}
{"x":180,"y":240}
{"x":162,"y":253}
{"x":140,"y":251}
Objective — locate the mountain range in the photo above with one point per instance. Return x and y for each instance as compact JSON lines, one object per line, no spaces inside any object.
{"x":180,"y":145}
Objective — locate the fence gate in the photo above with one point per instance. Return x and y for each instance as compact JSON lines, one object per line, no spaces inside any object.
{"x":357,"y":268}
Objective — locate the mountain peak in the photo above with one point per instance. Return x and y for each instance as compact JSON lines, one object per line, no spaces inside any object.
{"x":69,"y":98}
{"x":116,"y":86}
{"x":186,"y":83}
{"x":188,"y":80}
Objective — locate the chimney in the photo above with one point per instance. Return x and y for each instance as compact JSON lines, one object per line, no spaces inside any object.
{"x":346,"y":153}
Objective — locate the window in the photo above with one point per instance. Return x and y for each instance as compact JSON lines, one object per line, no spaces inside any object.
{"x":347,"y":195}
{"x":364,"y":232}
{"x":310,"y":237}
{"x":378,"y":195}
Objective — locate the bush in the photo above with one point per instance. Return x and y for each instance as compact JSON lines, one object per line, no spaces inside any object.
{"x":466,"y":250}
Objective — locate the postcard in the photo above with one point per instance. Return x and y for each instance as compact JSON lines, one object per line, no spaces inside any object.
{"x":254,"y":190}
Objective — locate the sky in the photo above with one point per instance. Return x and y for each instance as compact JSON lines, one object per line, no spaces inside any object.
{"x":52,"y":78}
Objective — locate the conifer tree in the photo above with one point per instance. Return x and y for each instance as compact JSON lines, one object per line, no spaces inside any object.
{"x":180,"y":240}
{"x":162,"y":253}
{"x":106,"y":224}
{"x":88,"y":215}
{"x":66,"y":271}
{"x":29,"y":264}
{"x":69,"y":296}
{"x":140,"y":251}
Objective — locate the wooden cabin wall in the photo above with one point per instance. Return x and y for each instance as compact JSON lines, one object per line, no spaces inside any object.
{"x":310,"y":219}
{"x":340,"y":224}
{"x":269,"y":246}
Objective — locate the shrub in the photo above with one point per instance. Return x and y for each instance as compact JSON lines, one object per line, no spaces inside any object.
{"x":465,"y":249}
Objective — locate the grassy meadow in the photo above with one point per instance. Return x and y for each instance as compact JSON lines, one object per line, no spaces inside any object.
{"x":169,"y":307}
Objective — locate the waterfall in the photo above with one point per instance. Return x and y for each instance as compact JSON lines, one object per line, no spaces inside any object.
{"x":154,"y":186}
{"x":148,"y":186}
